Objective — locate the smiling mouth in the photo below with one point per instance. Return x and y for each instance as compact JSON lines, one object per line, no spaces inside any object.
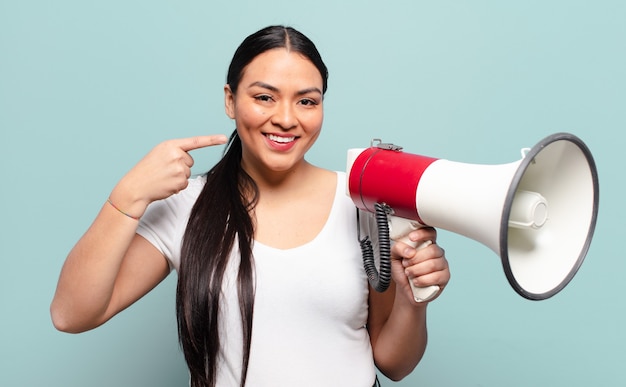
{"x":280,"y":139}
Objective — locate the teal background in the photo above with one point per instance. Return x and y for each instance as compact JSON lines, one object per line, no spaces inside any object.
{"x":88,"y":87}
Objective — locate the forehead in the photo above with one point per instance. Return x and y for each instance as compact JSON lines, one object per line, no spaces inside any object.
{"x":282,"y":67}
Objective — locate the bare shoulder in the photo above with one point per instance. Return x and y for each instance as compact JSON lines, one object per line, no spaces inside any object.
{"x":322,"y":180}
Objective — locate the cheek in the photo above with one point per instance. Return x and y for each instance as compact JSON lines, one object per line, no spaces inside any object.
{"x":251,"y":116}
{"x":314,"y":122}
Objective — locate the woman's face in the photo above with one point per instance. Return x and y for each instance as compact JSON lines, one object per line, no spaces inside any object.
{"x":277,"y":109}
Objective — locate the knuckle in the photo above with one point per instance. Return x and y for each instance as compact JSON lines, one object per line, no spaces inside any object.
{"x":167,"y":144}
{"x":179,"y":169}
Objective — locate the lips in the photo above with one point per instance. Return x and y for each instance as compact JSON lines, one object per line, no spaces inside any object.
{"x":280,"y":143}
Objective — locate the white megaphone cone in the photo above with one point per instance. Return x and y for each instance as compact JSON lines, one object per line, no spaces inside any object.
{"x":538,"y":214}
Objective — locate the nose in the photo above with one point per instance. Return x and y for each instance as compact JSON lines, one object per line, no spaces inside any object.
{"x":285,"y":116}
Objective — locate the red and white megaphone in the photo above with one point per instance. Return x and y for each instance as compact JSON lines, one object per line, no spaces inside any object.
{"x":538,"y":214}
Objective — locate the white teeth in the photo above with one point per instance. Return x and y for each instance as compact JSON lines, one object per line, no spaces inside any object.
{"x":280,"y":139}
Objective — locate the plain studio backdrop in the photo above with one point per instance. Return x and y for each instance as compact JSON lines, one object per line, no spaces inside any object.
{"x":88,"y":87}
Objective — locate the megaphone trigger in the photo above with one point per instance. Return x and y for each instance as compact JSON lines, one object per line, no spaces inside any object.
{"x":426,"y":293}
{"x":399,"y":229}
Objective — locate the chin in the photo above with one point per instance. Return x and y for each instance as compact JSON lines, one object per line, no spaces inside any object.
{"x":283,"y":165}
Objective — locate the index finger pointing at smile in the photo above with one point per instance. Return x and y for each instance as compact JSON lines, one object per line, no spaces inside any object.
{"x":197,"y":142}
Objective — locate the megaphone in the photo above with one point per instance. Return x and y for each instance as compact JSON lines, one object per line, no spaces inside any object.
{"x":538,"y":213}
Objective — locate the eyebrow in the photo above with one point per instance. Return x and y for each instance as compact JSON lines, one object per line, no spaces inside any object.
{"x":275,"y":89}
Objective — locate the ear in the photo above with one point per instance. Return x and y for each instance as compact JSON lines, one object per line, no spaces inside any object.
{"x":229,"y":102}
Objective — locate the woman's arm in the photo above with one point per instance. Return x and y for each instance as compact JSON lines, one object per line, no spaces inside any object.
{"x":111,"y":266}
{"x":107,"y":270}
{"x":396,"y":323}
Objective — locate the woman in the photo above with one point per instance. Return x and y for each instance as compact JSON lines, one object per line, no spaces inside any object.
{"x":271,"y":289}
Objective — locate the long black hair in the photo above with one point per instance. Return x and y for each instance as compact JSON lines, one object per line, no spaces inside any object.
{"x":220,"y":218}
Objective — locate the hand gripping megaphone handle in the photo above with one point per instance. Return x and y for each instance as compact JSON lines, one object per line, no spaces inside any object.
{"x":420,"y":294}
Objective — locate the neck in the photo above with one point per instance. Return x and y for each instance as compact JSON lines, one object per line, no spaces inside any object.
{"x":280,"y":180}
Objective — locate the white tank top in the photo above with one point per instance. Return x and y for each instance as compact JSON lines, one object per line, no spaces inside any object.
{"x":310,"y":306}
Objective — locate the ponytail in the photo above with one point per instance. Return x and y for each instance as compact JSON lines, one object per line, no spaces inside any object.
{"x":220,"y":216}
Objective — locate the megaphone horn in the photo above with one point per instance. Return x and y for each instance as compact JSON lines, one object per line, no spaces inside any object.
{"x":538,"y":213}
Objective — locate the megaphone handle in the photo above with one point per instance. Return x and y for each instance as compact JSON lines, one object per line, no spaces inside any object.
{"x":421,"y":294}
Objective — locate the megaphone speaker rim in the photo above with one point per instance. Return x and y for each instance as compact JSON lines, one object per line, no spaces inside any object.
{"x":504,"y":225}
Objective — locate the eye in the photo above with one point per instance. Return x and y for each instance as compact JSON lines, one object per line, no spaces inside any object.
{"x":308,"y":102}
{"x":263,"y":98}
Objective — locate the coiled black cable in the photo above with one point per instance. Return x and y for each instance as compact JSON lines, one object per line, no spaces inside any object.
{"x":378,"y":278}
